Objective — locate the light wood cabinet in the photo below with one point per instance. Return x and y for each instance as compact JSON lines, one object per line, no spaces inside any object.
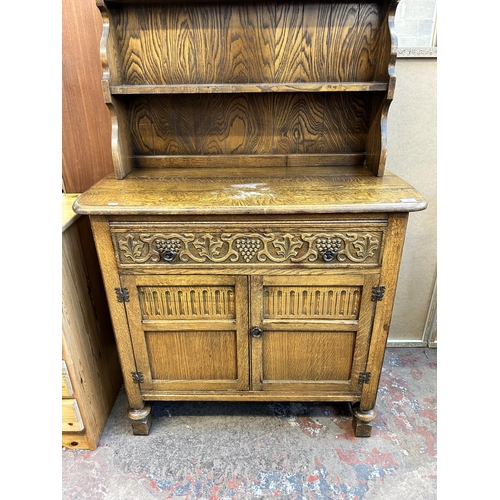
{"x":91,"y":375}
{"x":250,"y":237}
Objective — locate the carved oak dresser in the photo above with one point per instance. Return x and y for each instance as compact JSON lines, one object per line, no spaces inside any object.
{"x":250,"y":238}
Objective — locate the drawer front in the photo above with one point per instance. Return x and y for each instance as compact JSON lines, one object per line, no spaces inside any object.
{"x":328,"y":245}
{"x":71,"y":417}
{"x":67,"y":388}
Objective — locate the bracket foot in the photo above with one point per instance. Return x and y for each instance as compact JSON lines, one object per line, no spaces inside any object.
{"x":141,"y":420}
{"x":362,"y":422}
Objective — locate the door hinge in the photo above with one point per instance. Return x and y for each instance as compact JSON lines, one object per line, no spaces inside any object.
{"x":137,"y":377}
{"x":378,"y":293}
{"x":364,"y":377}
{"x":122,"y":294}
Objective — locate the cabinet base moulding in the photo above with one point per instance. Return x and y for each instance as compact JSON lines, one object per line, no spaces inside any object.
{"x":252,"y":396}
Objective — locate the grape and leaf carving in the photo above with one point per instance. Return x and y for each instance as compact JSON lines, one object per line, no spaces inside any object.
{"x":249,"y":247}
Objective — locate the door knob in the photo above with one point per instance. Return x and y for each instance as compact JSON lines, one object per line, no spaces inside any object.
{"x":256,"y":332}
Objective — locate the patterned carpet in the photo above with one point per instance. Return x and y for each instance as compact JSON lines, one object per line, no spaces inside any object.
{"x":219,"y":451}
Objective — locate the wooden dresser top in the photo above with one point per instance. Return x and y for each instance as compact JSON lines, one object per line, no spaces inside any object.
{"x":278,"y":190}
{"x":68,"y":215}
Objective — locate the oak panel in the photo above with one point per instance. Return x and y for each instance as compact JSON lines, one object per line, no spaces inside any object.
{"x":186,"y":111}
{"x":189,"y":355}
{"x":308,"y":341}
{"x":210,"y":24}
{"x":285,"y":120}
{"x":288,"y":53}
{"x":189,"y":332}
{"x":364,"y":55}
{"x":248,"y":124}
{"x":260,"y":27}
{"x":307,"y":356}
{"x":181,"y":42}
{"x":242,"y":42}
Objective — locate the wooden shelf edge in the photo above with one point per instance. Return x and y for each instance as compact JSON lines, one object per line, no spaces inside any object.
{"x":234,"y":88}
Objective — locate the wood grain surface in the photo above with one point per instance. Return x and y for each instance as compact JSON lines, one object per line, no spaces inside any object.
{"x":163,"y":63}
{"x":91,"y":370}
{"x":197,"y":341}
{"x":243,"y":42}
{"x":86,"y":125}
{"x":291,"y":190}
{"x":248,"y":124}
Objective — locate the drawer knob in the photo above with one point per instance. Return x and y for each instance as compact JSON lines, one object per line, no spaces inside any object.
{"x":168,"y":255}
{"x":329,"y":255}
{"x":256,"y":332}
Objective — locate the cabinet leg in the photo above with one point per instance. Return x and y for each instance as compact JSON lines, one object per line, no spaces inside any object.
{"x":141,"y":420}
{"x":362,"y":422}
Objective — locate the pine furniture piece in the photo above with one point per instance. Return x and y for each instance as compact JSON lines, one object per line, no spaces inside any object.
{"x":91,"y":375}
{"x":250,"y":238}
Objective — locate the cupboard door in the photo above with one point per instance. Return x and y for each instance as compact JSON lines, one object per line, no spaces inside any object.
{"x":310,"y":333}
{"x":189,"y":332}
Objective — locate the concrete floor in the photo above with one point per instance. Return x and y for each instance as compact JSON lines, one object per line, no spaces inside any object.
{"x":215,"y":451}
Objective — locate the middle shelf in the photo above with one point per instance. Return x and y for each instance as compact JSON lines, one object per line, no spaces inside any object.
{"x":232,"y":88}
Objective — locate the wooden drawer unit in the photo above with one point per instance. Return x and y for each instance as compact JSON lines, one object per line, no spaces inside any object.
{"x":91,"y":375}
{"x":249,"y":237}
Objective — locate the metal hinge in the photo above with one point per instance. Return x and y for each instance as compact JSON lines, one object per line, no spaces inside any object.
{"x":378,"y":293}
{"x":122,"y":294}
{"x":137,"y":377}
{"x":364,"y":377}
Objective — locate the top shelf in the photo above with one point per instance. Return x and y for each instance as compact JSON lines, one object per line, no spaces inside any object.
{"x":247,"y":88}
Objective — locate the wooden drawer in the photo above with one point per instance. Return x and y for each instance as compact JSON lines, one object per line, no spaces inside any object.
{"x":67,"y":387}
{"x":342,"y":243}
{"x":71,"y":418}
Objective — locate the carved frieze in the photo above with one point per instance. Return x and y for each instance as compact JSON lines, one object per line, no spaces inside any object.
{"x":183,"y":302}
{"x":322,"y":302}
{"x":250,"y":248}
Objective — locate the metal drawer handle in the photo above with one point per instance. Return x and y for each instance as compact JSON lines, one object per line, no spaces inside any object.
{"x":328,"y":247}
{"x":256,"y":332}
{"x":168,"y":255}
{"x":329,"y":255}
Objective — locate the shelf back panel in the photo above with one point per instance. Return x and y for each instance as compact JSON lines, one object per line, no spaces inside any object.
{"x":244,"y":42}
{"x":249,"y":124}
